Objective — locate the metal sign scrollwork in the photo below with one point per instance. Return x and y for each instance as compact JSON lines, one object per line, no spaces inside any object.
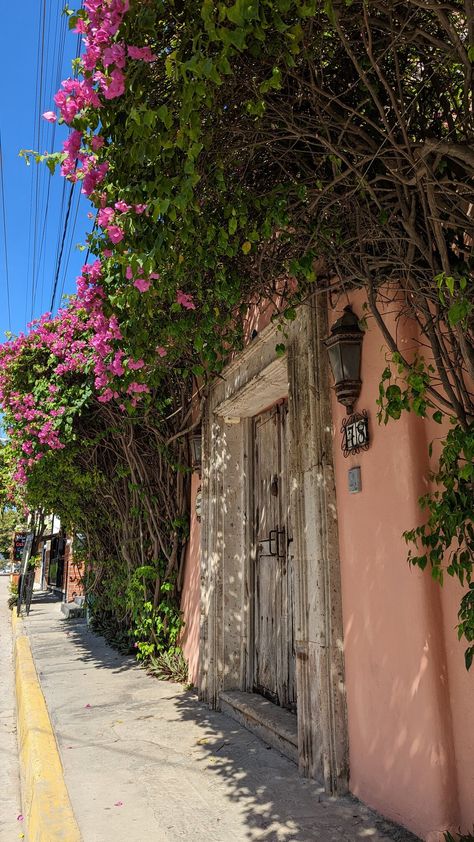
{"x":355,"y":433}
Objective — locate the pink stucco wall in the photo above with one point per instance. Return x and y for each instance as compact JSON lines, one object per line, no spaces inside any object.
{"x":190,"y":602}
{"x":408,"y":694}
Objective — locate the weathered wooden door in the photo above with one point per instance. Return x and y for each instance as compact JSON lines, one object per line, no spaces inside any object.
{"x":274,"y":656}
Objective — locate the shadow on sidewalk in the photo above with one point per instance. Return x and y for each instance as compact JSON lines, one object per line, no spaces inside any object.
{"x":261,"y":778}
{"x":91,"y":647}
{"x":275,"y":802}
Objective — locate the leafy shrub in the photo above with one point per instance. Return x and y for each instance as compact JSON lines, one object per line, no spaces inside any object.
{"x":169,"y":666}
{"x":13,"y":598}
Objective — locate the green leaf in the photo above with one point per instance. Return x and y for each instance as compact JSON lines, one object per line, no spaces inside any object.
{"x":458,"y":311}
{"x":393,"y":392}
{"x":165,"y":116}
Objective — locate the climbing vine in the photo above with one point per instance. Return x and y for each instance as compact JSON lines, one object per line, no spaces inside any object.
{"x":239,"y":153}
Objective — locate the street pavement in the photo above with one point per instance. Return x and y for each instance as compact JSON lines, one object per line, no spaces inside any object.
{"x":144,"y":760}
{"x":11,"y":827}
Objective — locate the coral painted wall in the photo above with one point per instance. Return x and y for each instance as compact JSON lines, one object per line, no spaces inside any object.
{"x":191,"y":590}
{"x":408,"y":693}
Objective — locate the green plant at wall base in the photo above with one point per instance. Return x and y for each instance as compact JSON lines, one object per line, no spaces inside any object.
{"x":169,"y":666}
{"x":156,"y":624}
{"x":461,"y":837}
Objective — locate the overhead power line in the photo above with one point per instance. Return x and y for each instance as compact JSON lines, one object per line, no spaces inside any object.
{"x":61,"y":250}
{"x":5,"y":239}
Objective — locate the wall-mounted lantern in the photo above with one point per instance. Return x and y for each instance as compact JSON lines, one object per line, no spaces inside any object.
{"x":344,"y":350}
{"x":195,"y":442}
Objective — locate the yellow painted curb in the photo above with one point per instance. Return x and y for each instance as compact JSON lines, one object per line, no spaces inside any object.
{"x":46,"y":805}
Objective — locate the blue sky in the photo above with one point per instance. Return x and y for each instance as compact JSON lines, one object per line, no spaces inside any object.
{"x":36,"y":203}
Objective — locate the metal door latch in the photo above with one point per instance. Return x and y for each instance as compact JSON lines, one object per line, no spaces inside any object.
{"x":276,"y":543}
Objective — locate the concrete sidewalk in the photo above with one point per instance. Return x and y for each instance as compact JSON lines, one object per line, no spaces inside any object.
{"x":143,"y":759}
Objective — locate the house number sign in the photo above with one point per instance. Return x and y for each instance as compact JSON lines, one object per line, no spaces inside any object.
{"x":355,"y":433}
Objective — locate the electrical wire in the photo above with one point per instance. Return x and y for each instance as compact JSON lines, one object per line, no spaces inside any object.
{"x":70,"y":246}
{"x":5,"y":239}
{"x":58,"y":265}
{"x":38,"y":133}
{"x":66,"y":239}
{"x":45,"y":199}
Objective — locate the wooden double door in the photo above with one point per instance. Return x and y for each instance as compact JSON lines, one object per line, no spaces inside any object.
{"x":273,"y":592}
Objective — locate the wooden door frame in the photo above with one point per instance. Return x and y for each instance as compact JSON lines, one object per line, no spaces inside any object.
{"x":255,"y":380}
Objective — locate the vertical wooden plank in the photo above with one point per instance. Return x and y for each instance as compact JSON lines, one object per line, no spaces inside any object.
{"x":288,"y":600}
{"x":267,"y":609}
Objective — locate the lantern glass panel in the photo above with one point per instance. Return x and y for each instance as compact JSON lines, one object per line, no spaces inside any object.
{"x":351,"y":360}
{"x":335,"y":359}
{"x":196,"y":448}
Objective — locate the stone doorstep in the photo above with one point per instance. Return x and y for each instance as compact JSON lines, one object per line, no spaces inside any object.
{"x":274,"y":725}
{"x":72,"y":610}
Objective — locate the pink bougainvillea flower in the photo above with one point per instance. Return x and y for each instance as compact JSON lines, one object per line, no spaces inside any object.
{"x":129,"y":273}
{"x":91,"y":57}
{"x":94,"y":177}
{"x":96,"y":142}
{"x":87,"y":706}
{"x":105,"y":216}
{"x":105,"y":397}
{"x":116,"y":86}
{"x":118,"y":804}
{"x":107,"y":253}
{"x":154,"y":276}
{"x":122,"y":206}
{"x":115,"y":233}
{"x":162,"y":352}
{"x":142,"y":284}
{"x":135,"y":365}
{"x":50,"y":116}
{"x":140,"y":208}
{"x":114,"y":55}
{"x":137,"y":387}
{"x":185,"y":300}
{"x":20,"y":818}
{"x":141,"y":53}
{"x":101,"y":36}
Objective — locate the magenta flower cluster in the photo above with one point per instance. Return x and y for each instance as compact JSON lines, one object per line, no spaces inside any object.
{"x":82,"y":338}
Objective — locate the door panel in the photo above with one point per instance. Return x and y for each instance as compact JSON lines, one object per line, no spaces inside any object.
{"x":288,"y":600}
{"x":266,"y":572}
{"x":274,"y":672}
